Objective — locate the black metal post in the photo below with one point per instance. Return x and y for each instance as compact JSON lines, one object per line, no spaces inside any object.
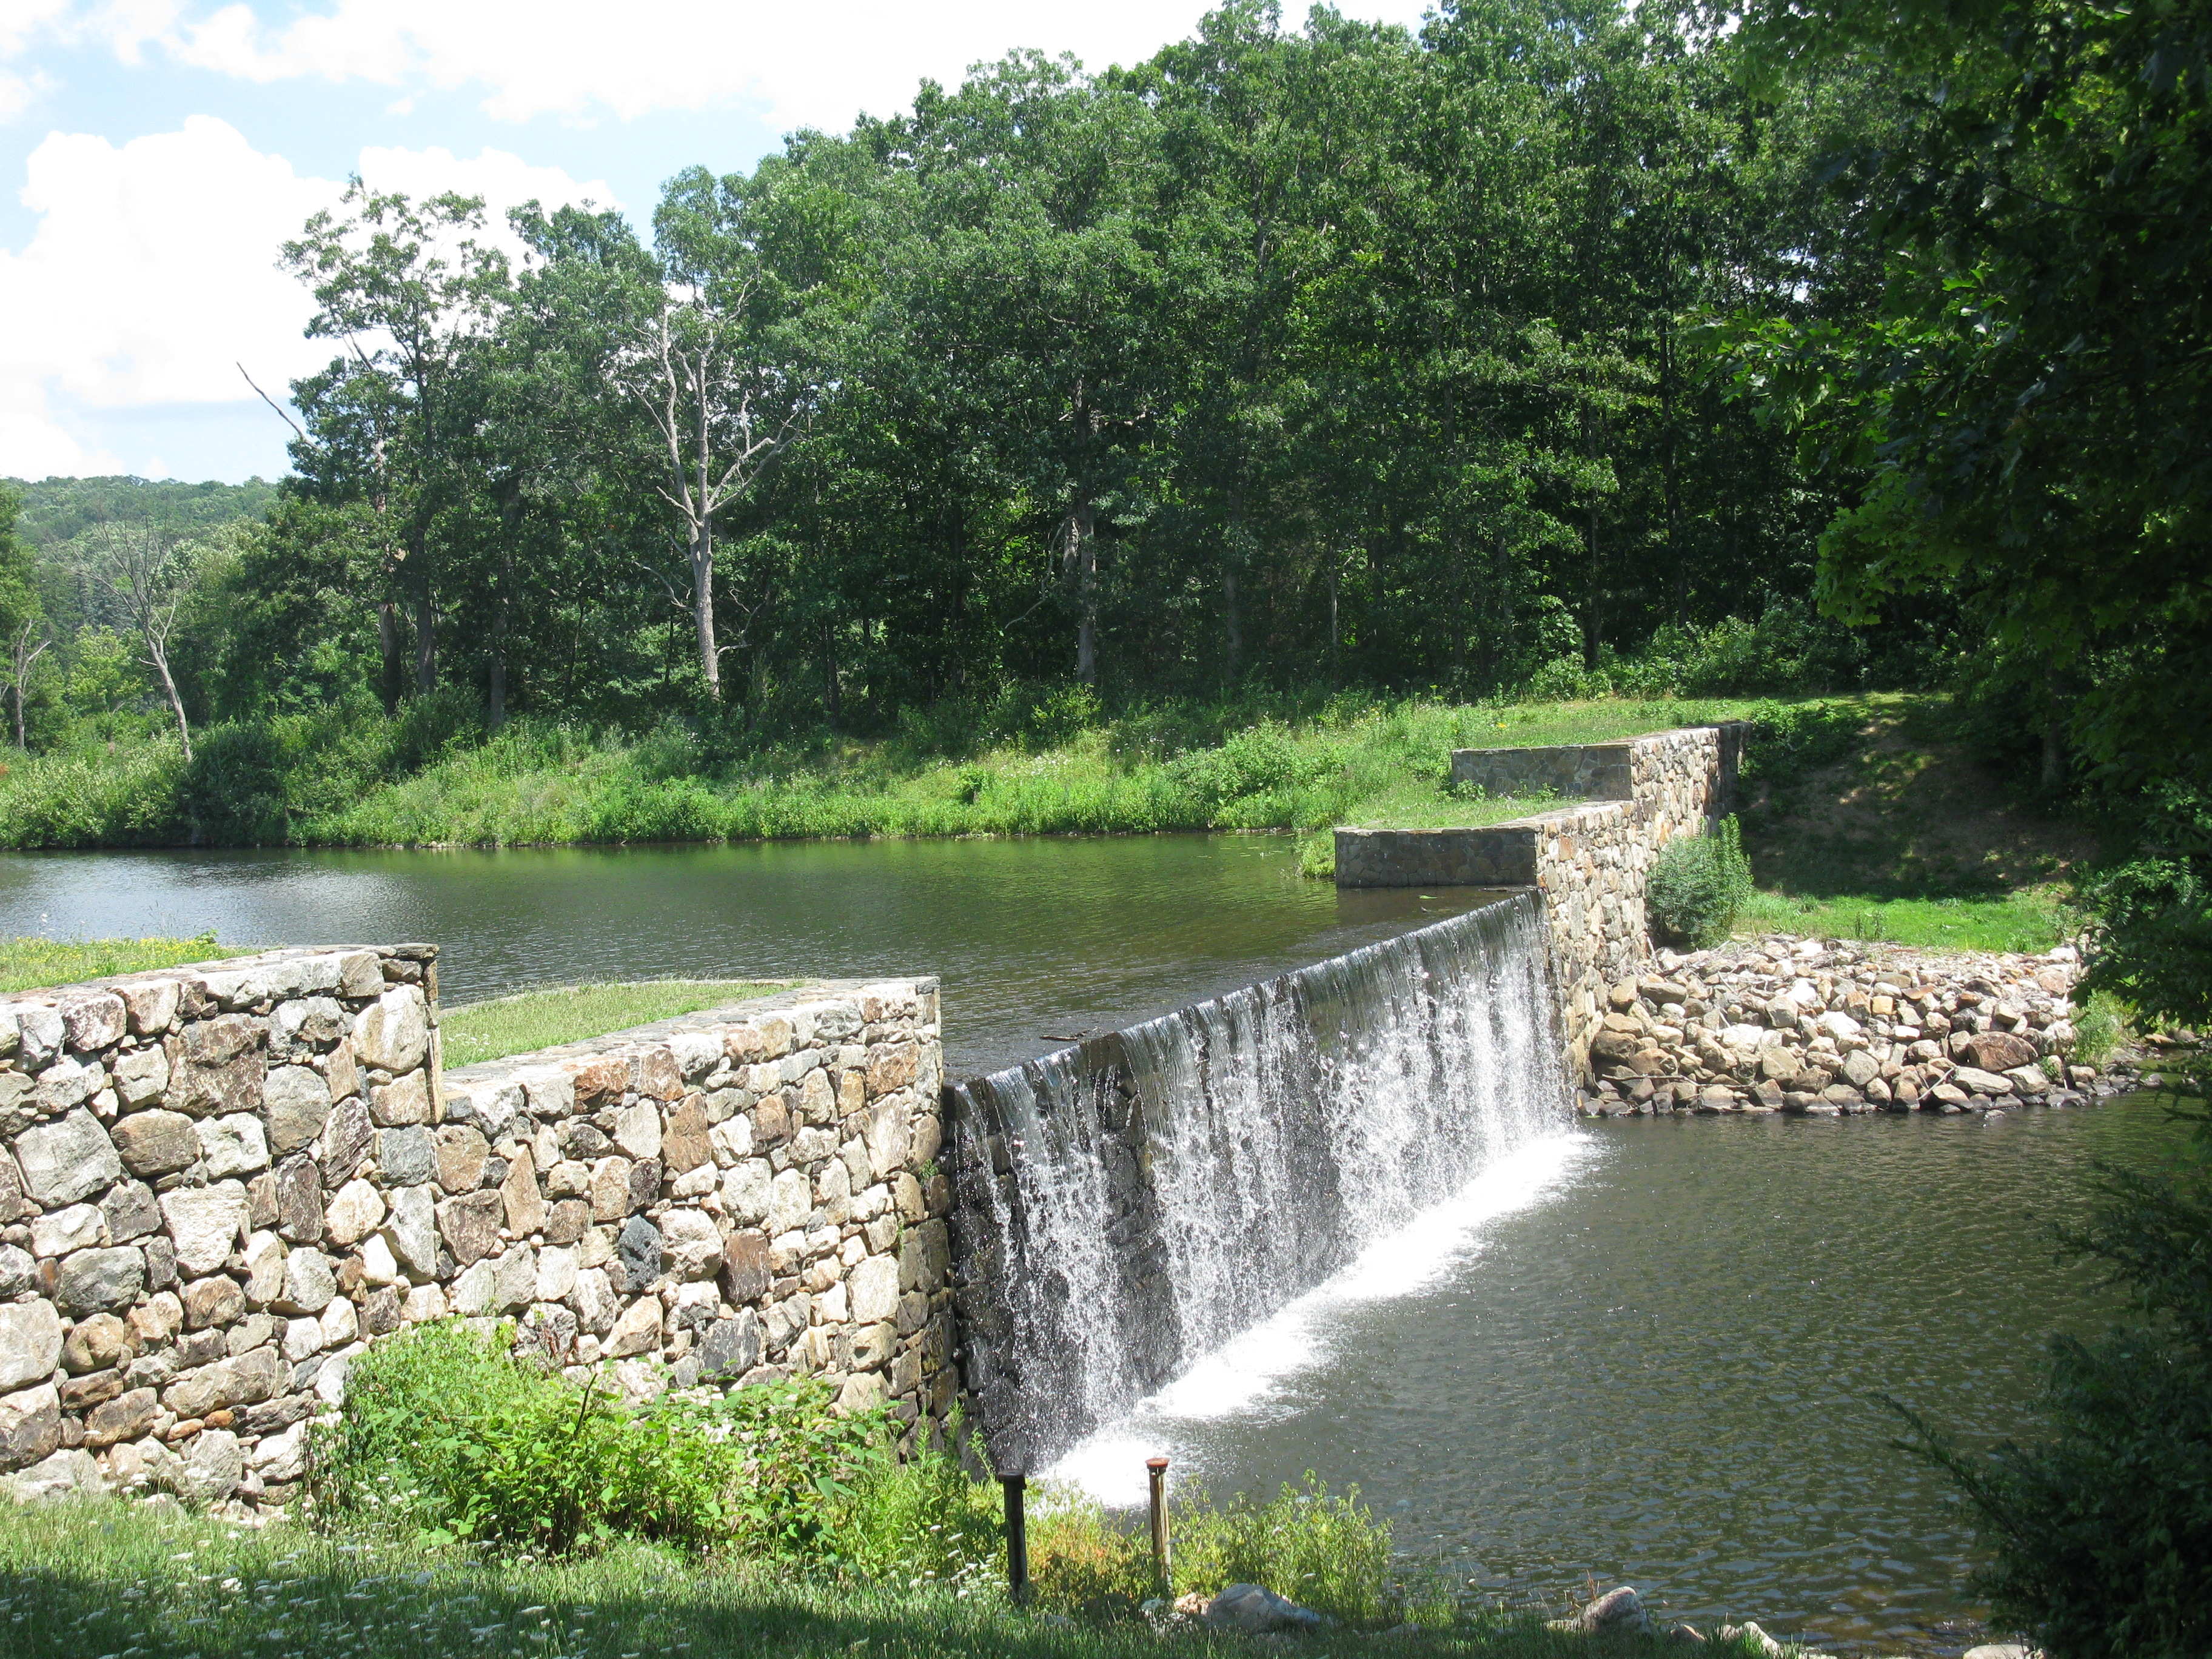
{"x":1018,"y":1540}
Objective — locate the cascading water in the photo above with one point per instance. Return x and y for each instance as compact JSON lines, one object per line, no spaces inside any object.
{"x":1127,"y":1205}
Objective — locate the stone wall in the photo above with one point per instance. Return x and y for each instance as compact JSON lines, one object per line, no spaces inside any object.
{"x":1590,"y":859}
{"x":746,"y":1193}
{"x":1818,"y":1028}
{"x":222,"y":1181}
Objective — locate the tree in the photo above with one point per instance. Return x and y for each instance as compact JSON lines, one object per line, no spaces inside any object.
{"x":412,"y":293}
{"x":2034,"y":401}
{"x":23,"y":619}
{"x":146,"y":569}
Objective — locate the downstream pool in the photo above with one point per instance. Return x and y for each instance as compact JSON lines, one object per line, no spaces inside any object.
{"x":1036,"y":939}
{"x":1653,"y":1352}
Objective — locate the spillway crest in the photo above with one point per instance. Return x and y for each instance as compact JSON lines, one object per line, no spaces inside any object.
{"x":1125,"y":1206}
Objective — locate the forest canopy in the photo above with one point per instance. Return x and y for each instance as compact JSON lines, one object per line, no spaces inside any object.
{"x":1819,"y":346}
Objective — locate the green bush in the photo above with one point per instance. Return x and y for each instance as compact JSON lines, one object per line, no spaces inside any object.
{"x":1329,"y":1553}
{"x":1697,"y":885}
{"x":446,"y":1434}
{"x":2098,"y":1532}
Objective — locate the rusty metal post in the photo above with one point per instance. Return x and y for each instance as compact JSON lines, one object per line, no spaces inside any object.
{"x":1018,"y":1540}
{"x":1156,"y":1467}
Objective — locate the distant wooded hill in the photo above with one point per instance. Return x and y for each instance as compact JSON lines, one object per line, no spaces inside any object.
{"x":56,"y":510}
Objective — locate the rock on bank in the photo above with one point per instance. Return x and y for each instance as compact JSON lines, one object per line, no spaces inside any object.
{"x":1824,"y":1027}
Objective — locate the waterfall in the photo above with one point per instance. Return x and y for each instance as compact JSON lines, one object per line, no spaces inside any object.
{"x":1126,"y":1206}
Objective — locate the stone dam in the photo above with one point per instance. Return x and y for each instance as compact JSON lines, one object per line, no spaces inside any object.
{"x":223,"y":1181}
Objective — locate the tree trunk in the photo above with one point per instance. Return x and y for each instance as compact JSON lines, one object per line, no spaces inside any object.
{"x":702,"y":607}
{"x":1335,"y":668}
{"x":160,"y":657}
{"x":1082,"y":559}
{"x":426,"y":644}
{"x":387,"y":645}
{"x":1232,"y":641}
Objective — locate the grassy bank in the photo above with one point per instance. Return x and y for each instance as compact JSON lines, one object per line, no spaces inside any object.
{"x":517,"y":1025}
{"x":115,"y":1577}
{"x":33,"y":960}
{"x":307,"y":781}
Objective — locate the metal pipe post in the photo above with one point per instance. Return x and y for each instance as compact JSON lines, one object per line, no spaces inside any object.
{"x":1018,"y":1540}
{"x":1156,"y":1467}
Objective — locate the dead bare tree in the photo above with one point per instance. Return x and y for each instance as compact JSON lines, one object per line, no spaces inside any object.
{"x":22,"y":655}
{"x":704,"y":393}
{"x":143,"y":566}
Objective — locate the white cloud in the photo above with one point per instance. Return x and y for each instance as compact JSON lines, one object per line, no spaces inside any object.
{"x":809,"y":65}
{"x":152,"y":273}
{"x":33,"y":446}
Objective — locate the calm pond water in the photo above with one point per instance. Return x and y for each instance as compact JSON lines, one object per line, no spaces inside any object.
{"x":1035,"y":938}
{"x":1652,"y":1351}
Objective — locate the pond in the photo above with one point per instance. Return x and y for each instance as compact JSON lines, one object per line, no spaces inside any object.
{"x":1036,"y":939}
{"x":1654,"y":1351}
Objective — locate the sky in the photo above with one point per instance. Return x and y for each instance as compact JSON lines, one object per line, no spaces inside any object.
{"x":156,"y":154}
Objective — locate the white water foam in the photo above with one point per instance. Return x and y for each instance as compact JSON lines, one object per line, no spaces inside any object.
{"x":1246,"y":1377}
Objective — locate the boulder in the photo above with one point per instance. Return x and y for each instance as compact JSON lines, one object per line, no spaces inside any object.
{"x":156,"y":1142}
{"x":30,"y":1343}
{"x":1976,"y":1081}
{"x":393,"y":1033}
{"x":68,"y":1158}
{"x":637,"y":1330}
{"x":63,"y":1474}
{"x":1997,"y":1051}
{"x":1255,"y":1610}
{"x":298,"y":1103}
{"x":1617,"y":1612}
{"x":232,"y":1145}
{"x":30,"y":1426}
{"x":92,"y":1279}
{"x":1748,"y":1635}
{"x":412,"y":1230}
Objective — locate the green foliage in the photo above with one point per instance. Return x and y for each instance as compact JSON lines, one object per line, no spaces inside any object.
{"x":2153,"y":938}
{"x":446,"y":1435}
{"x":1325,"y":1550}
{"x":1698,"y":885}
{"x":2101,"y":1027}
{"x":2097,"y":1530}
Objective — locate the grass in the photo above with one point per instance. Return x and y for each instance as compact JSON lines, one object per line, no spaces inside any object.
{"x":574,"y":1013}
{"x":1170,"y":767}
{"x":33,"y":961}
{"x":2029,"y":922}
{"x":106,"y":1578}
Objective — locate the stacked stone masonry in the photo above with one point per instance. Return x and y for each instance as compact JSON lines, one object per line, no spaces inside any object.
{"x":222,"y":1180}
{"x":1591,"y":859}
{"x":1822,"y":1028}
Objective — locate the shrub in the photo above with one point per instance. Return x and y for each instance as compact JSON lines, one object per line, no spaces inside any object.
{"x":1698,"y":884}
{"x":925,"y":1520}
{"x":1328,"y":1552}
{"x":446,"y":1434}
{"x":2098,"y":1532}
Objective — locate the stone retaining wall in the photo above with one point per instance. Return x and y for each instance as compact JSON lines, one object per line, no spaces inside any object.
{"x":1590,"y":859}
{"x":221,"y":1181}
{"x":1824,"y":1028}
